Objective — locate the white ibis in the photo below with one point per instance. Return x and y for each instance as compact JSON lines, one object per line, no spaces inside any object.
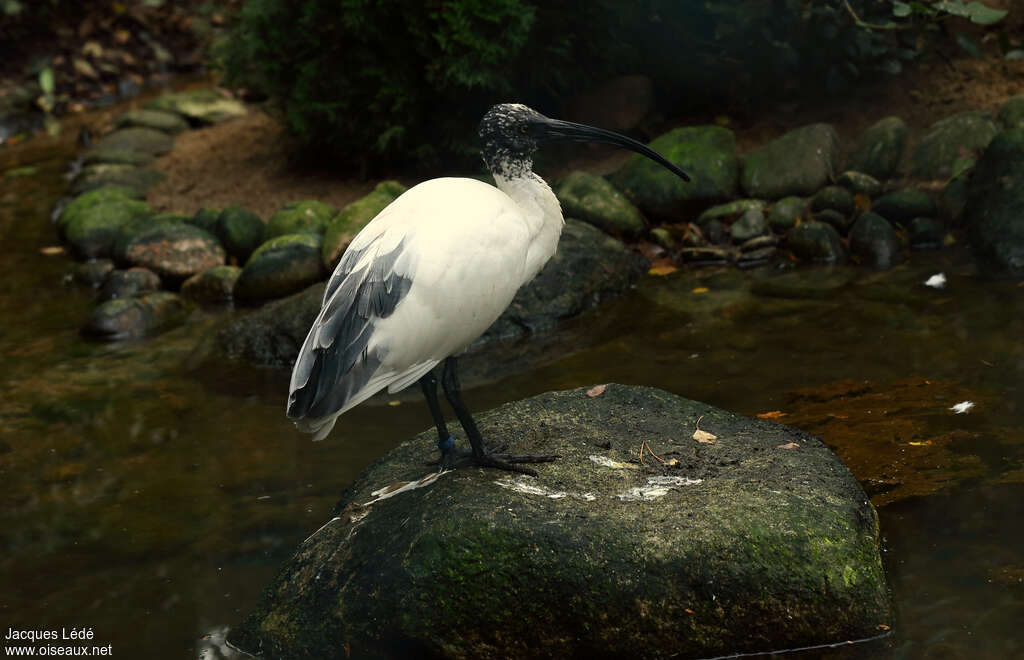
{"x":430,"y":274}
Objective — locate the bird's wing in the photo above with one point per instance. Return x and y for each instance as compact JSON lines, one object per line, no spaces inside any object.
{"x":448,"y":256}
{"x":336,"y":361}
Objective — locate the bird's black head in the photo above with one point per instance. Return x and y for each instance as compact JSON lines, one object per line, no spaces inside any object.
{"x":511,"y":132}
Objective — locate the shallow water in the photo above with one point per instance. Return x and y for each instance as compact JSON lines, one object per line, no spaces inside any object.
{"x":151,"y":493}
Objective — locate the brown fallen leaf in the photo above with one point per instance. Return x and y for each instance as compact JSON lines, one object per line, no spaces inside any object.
{"x":789,"y":445}
{"x":775,"y":414}
{"x":703,"y":436}
{"x":52,"y":250}
{"x":597,"y":390}
{"x":662,"y":270}
{"x":700,"y":289}
{"x":882,"y":626}
{"x":861,"y":202}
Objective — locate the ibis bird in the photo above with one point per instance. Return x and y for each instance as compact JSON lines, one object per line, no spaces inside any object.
{"x":430,"y":273}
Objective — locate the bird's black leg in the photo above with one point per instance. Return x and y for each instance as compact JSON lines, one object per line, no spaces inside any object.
{"x":445,"y":441}
{"x":450,"y":382}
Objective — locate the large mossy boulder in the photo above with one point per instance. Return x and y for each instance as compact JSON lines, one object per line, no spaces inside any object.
{"x":92,"y":231}
{"x":756,"y":541}
{"x":879,"y":149}
{"x":344,"y":226}
{"x":280,"y":267}
{"x":306,"y":217}
{"x":706,"y":153}
{"x":797,"y":163}
{"x":95,"y":197}
{"x":949,"y":144}
{"x":592,"y":199}
{"x":994,"y":212}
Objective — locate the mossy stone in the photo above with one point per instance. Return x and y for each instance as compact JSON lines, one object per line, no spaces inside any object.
{"x":137,"y":179}
{"x":128,"y":283}
{"x":785,"y":213}
{"x":137,"y":226}
{"x":204,"y":106}
{"x":344,"y":226}
{"x":598,"y":556}
{"x":165,"y":122}
{"x":281,"y":266}
{"x":592,"y":199}
{"x":92,"y":231}
{"x":137,"y":138}
{"x":816,"y":241}
{"x":902,"y":206}
{"x":116,"y":157}
{"x":730,"y":210}
{"x":240,"y":231}
{"x":310,"y":216}
{"x":994,"y":213}
{"x":1011,"y":112}
{"x":214,"y":286}
{"x":797,"y":163}
{"x":95,"y":197}
{"x":948,"y":141}
{"x":206,"y":219}
{"x":174,"y":250}
{"x":874,"y":240}
{"x":860,"y":183}
{"x":879,"y":149}
{"x":706,"y":153}
{"x":835,"y":198}
{"x":134,"y":318}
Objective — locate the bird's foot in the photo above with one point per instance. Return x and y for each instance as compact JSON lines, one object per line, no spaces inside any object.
{"x":452,"y":458}
{"x":511,"y":462}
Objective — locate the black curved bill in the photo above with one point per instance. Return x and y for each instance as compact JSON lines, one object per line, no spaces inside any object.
{"x":555,"y":130}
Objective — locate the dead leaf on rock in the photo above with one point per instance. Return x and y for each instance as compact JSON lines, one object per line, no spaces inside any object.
{"x":662,"y":270}
{"x":703,"y":436}
{"x":789,"y":445}
{"x":596,"y":390}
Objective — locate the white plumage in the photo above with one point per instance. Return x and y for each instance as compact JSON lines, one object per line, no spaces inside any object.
{"x":430,"y":274}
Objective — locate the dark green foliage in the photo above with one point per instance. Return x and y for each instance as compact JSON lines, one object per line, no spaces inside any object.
{"x":392,"y":83}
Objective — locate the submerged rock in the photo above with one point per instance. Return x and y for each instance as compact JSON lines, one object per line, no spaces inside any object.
{"x":874,"y":240}
{"x":759,"y":540}
{"x":798,"y":163}
{"x":310,"y":216}
{"x":816,"y":241}
{"x":994,"y":213}
{"x":134,"y":318}
{"x":590,"y":198}
{"x":950,"y":140}
{"x":879,"y":149}
{"x":280,"y":267}
{"x":343,"y":227}
{"x":730,"y":210}
{"x":706,"y":153}
{"x":128,"y":283}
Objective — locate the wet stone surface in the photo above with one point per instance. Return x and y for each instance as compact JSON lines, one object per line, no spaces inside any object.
{"x":599,"y":555}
